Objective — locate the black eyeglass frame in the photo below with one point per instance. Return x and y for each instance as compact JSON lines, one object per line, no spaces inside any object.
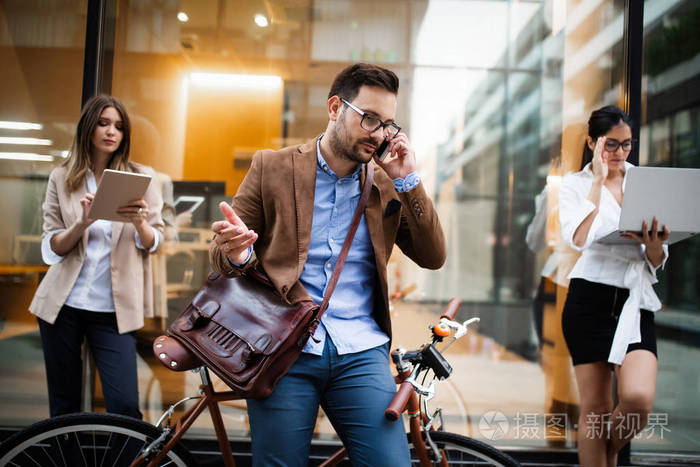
{"x":365,"y":116}
{"x":617,"y":144}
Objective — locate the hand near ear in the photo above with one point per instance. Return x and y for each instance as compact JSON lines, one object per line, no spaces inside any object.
{"x":599,"y":164}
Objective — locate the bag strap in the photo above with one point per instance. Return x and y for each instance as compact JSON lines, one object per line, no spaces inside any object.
{"x":366,"y":188}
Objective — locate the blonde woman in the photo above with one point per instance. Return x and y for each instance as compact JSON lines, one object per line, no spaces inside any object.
{"x":99,"y":282}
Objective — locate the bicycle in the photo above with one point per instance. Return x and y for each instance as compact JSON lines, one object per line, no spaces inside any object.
{"x":96,"y":439}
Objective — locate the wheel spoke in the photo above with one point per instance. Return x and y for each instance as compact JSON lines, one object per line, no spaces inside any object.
{"x":60,"y":449}
{"x":32,"y":459}
{"x":104,"y":454}
{"x":80,"y":448}
{"x":48,"y":456}
{"x":463,"y":451}
{"x":118,"y":455}
{"x":64,"y":441}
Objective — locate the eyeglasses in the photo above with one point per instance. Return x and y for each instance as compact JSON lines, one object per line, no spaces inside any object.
{"x":611,"y":145}
{"x":371,"y":124}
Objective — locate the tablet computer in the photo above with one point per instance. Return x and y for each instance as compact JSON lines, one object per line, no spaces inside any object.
{"x":116,"y":189}
{"x":670,"y":194}
{"x":187,"y":203}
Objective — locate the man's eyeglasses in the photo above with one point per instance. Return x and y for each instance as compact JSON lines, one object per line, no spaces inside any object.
{"x":371,"y":123}
{"x":611,"y":145}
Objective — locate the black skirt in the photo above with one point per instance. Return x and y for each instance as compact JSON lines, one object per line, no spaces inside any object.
{"x":590,"y":318}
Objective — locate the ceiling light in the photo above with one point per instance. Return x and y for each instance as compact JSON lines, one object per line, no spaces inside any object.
{"x":21,"y":126}
{"x":228,"y":80}
{"x":25,"y":156}
{"x":182,"y":17}
{"x":261,"y":20}
{"x":34,"y":141}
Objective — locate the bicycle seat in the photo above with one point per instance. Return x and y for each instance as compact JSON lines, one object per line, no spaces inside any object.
{"x":173,"y":355}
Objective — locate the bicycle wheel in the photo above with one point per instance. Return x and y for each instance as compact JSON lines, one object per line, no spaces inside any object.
{"x":462,"y":451}
{"x":85,"y":439}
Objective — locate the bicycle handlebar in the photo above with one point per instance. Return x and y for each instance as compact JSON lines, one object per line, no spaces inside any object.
{"x":398,"y":403}
{"x":451,"y":309}
{"x":429,"y":355}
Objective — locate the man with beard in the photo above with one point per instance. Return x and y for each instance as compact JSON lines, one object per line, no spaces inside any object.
{"x":289,"y":218}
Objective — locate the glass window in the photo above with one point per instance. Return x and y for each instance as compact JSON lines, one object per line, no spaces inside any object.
{"x":41,"y":51}
{"x":487,"y":88}
{"x":494,"y":98}
{"x":670,"y":137}
{"x":519,"y":129}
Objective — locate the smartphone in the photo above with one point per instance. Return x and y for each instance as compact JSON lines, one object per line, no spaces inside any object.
{"x":382,"y":150}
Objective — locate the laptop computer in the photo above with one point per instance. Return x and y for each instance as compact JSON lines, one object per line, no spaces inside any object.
{"x":670,"y":194}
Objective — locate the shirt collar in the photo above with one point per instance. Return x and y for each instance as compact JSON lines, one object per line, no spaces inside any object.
{"x":324,"y":166}
{"x":589,"y":171}
{"x":90,"y":181}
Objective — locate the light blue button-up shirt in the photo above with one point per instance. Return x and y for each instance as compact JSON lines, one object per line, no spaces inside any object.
{"x":348,"y":320}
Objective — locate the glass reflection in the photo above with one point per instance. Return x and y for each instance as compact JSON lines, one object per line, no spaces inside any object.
{"x":41,"y":50}
{"x":493,"y":96}
{"x":669,"y":137}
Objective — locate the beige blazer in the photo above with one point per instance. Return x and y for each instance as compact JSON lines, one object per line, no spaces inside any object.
{"x":276,"y":200}
{"x":132,"y":282}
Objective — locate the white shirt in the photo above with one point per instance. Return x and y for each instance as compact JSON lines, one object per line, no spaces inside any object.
{"x":93,"y":287}
{"x":536,"y":235}
{"x":624,"y":266}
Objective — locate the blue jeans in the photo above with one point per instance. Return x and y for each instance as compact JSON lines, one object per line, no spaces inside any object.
{"x":115,"y":357}
{"x":353,"y":389}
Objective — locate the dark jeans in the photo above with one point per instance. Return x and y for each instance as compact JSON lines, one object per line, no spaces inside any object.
{"x":353,"y":389}
{"x":115,"y":356}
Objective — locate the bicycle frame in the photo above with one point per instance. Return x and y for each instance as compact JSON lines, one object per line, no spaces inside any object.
{"x":419,"y":422}
{"x":208,"y":399}
{"x":415,"y":430}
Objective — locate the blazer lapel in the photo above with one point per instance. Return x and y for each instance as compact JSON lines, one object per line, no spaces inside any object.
{"x":74,"y":208}
{"x":116,"y":232}
{"x":304,"y":179}
{"x":373,"y":216}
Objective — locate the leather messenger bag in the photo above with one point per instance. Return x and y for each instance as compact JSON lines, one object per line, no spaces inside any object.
{"x":245,"y":332}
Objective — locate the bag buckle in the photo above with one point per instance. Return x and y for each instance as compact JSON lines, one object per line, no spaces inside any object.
{"x":197,"y":317}
{"x":312,"y":329}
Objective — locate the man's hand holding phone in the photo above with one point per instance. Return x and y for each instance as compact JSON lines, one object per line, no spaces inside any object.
{"x":232,"y":235}
{"x":398,"y":158}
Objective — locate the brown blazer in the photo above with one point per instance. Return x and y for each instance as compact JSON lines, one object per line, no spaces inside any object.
{"x":276,"y":200}
{"x":132,"y":283}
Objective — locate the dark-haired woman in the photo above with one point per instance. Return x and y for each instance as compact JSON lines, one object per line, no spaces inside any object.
{"x":608,"y":319}
{"x":99,"y":284}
